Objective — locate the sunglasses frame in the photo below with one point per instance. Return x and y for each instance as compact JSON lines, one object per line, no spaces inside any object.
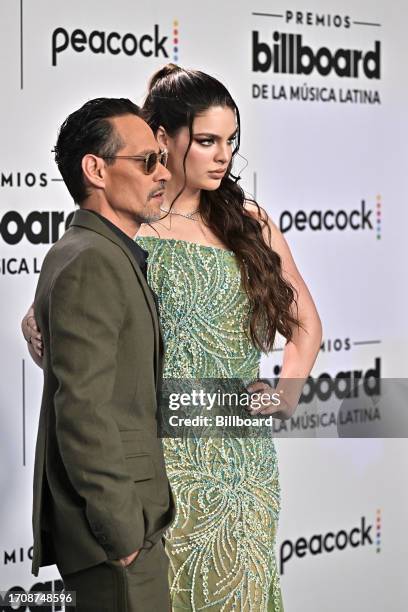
{"x":161,"y":158}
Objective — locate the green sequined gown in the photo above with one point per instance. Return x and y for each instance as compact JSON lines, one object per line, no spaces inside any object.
{"x":221,"y":544}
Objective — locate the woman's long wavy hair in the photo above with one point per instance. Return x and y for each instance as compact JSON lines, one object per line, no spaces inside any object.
{"x":175,"y":97}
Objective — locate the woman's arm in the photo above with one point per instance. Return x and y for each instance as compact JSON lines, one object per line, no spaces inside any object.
{"x":32,"y":336}
{"x":300,"y":353}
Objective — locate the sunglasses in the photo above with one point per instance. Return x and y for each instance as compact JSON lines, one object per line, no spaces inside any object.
{"x":151,"y":159}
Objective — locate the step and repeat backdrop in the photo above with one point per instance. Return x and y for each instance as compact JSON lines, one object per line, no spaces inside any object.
{"x":322,"y":90}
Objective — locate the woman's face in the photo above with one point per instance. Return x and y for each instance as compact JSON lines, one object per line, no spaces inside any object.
{"x":211,"y":149}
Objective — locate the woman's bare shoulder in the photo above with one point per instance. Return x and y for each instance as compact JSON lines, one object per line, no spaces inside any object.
{"x":259,"y":213}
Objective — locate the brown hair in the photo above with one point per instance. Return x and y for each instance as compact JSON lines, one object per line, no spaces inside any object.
{"x":174,"y":98}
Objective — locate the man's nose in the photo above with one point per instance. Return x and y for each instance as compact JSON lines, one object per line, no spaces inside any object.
{"x":162,"y":173}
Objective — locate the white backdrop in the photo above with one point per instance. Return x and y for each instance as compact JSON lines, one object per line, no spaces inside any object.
{"x":343,"y":154}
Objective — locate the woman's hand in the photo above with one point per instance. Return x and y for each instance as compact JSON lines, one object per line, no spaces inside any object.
{"x":267,"y":400}
{"x":31,"y":333}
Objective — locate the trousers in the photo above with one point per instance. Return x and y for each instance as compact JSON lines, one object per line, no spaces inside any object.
{"x":142,"y":586}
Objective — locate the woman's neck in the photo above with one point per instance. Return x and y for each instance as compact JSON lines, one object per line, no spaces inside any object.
{"x":187,"y":202}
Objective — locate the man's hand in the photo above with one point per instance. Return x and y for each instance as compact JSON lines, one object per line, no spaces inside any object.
{"x":129,"y":559}
{"x":31,"y":332}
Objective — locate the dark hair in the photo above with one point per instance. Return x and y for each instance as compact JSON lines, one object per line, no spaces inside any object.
{"x":174,"y":99}
{"x":88,"y":130}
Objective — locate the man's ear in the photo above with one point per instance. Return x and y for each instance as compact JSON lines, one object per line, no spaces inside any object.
{"x":162,"y":137}
{"x":93,"y":168}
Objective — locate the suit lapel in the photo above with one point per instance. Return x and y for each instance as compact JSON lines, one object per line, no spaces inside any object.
{"x":83,"y":218}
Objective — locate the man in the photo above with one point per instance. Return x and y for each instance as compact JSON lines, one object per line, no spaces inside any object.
{"x":102,"y":500}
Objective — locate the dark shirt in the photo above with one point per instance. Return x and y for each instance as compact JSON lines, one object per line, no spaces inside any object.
{"x":138,"y":253}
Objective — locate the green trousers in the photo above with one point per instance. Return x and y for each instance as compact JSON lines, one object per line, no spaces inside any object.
{"x":142,"y":586}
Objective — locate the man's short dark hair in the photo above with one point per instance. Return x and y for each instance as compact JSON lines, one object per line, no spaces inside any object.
{"x":88,"y":130}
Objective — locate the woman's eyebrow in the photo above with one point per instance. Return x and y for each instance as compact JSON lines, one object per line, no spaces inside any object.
{"x":210,"y":135}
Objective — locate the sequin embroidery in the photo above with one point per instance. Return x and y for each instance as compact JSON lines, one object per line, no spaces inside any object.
{"x":221,"y":544}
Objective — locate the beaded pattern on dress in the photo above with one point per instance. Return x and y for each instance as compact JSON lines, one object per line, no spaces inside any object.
{"x":221,"y":544}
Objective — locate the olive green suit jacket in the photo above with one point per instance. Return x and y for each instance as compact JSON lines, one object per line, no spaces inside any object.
{"x":100,"y":486}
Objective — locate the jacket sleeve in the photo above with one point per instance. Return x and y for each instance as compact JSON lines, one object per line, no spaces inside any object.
{"x":87,"y":308}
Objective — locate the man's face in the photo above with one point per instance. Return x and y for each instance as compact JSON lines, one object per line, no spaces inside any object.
{"x":129,"y":190}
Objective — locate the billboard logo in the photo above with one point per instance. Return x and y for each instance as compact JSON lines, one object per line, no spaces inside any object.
{"x":285,"y":58}
{"x":39,"y":227}
{"x":287,"y":54}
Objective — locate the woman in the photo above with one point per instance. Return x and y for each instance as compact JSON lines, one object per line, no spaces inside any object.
{"x":226,"y":284}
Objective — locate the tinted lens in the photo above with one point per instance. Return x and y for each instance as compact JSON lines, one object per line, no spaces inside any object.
{"x":164,"y":156}
{"x":153,"y":159}
{"x":151,"y":162}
